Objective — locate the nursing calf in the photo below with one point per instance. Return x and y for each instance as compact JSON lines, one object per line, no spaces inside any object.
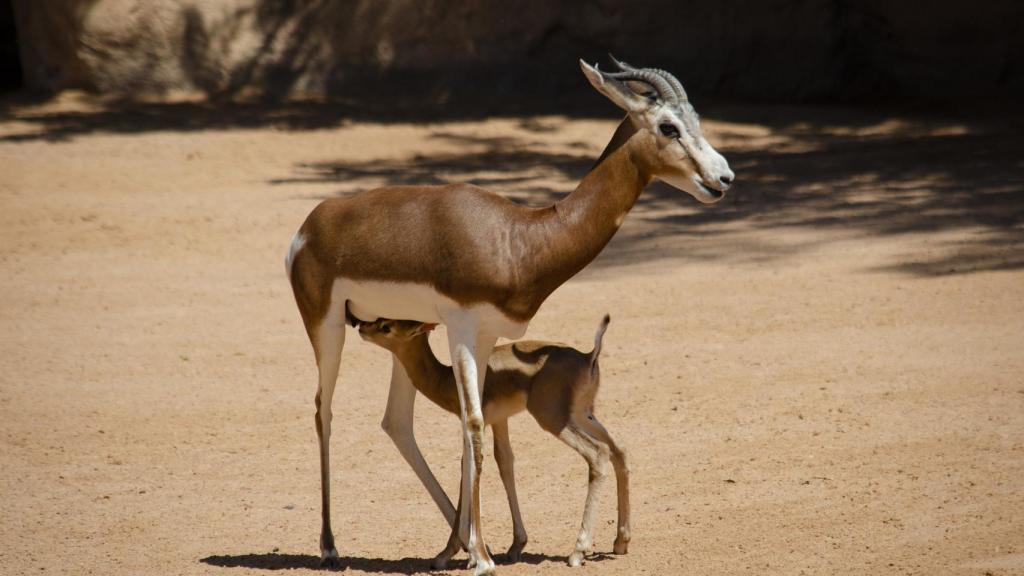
{"x":556,"y":384}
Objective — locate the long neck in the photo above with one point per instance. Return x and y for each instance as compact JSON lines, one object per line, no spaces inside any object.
{"x":584,"y":222}
{"x":432,"y":378}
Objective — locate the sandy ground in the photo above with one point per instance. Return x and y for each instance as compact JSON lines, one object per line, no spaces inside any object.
{"x":820,"y":375}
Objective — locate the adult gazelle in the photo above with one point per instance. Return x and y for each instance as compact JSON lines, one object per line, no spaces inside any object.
{"x":482,"y":265}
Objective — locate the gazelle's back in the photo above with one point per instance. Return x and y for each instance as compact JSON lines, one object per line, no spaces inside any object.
{"x":553,"y":376}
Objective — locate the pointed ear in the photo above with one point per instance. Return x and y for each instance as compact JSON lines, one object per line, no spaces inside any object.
{"x":618,"y":92}
{"x":422,"y":329}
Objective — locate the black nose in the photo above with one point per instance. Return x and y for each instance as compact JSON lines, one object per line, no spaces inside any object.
{"x":726,"y":180}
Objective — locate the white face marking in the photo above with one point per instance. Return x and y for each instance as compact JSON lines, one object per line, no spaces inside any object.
{"x":298,"y":241}
{"x":690,"y":163}
{"x":691,"y":184}
{"x":372,"y":299}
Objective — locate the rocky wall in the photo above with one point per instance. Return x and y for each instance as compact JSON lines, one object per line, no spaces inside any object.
{"x":515,"y":55}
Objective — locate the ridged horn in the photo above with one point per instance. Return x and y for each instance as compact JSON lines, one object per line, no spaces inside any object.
{"x":677,"y":86}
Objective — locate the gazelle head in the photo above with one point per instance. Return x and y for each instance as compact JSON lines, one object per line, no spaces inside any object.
{"x":659,"y":107}
{"x":393,"y":334}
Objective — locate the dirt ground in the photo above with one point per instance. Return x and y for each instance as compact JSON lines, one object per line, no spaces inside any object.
{"x":822,"y":374}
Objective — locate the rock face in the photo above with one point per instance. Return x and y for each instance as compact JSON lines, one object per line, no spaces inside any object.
{"x":457,"y":52}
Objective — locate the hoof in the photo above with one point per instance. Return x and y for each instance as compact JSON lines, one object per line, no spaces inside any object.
{"x":621,"y":546}
{"x":329,"y":559}
{"x":481,"y":563}
{"x":576,"y":559}
{"x":440,"y":562}
{"x":515,"y":552}
{"x":484,"y":566}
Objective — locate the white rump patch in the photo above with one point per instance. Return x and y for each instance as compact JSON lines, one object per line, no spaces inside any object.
{"x":298,"y":241}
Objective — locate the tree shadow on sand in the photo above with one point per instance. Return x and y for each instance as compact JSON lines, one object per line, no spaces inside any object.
{"x":847,"y":174}
{"x":514,"y":168}
{"x":277,"y":561}
{"x":844,"y":173}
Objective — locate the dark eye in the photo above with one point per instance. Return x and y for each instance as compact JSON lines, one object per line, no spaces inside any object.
{"x":385,"y":329}
{"x":668,"y":130}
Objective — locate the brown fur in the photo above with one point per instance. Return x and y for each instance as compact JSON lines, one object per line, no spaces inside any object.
{"x":556,"y":384}
{"x":472,"y":246}
{"x":476,"y":247}
{"x":467,"y":243}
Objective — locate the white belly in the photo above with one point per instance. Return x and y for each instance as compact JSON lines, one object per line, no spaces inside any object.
{"x":369,"y":300}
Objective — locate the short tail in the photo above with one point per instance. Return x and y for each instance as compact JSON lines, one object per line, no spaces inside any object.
{"x":298,"y":241}
{"x":597,"y":340}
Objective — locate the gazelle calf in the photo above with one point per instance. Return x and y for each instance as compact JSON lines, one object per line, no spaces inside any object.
{"x":555,"y":384}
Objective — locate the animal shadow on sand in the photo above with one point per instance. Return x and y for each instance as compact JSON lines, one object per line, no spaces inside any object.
{"x":278,"y":561}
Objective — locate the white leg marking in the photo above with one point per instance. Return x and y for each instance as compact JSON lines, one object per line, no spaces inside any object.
{"x":398,"y":423}
{"x":596,"y":455}
{"x":592,"y":425}
{"x":470,"y":351}
{"x":330,"y":342}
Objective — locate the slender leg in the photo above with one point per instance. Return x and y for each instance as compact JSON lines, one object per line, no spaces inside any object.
{"x":592,"y":425}
{"x":330,"y":340}
{"x":469,"y":352}
{"x":454,"y":545}
{"x":484,"y":564}
{"x":398,"y":423}
{"x":506,"y":468}
{"x":596,"y":455}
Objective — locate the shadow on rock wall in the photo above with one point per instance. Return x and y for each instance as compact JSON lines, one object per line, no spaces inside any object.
{"x":477,"y":53}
